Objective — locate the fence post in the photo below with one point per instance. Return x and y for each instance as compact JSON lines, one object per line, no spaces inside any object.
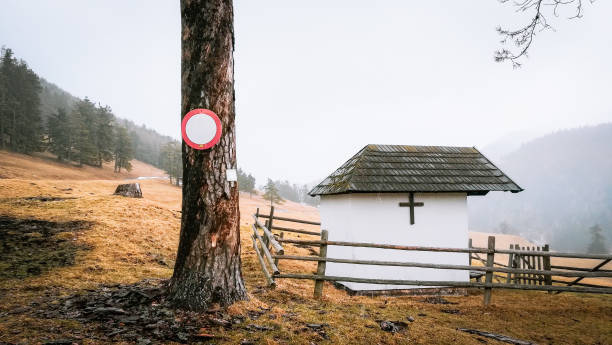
{"x":489,"y":275}
{"x":318,"y":289}
{"x":546,"y":262}
{"x":533,"y":266}
{"x":510,"y":258}
{"x":470,"y":254}
{"x":528,"y":266}
{"x":539,"y":267}
{"x":282,"y":234}
{"x":271,"y":217}
{"x":520,"y":264}
{"x":268,"y":225}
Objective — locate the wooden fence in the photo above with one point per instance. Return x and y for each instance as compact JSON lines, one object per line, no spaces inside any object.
{"x":527,"y":269}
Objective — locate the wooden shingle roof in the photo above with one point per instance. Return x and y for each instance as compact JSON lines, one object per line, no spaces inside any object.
{"x":402,"y":168}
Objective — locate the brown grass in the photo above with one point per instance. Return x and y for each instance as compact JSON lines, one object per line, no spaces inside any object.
{"x":45,"y":166}
{"x":130,"y":235}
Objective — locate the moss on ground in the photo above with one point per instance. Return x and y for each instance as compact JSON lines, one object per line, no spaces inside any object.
{"x":31,"y":247}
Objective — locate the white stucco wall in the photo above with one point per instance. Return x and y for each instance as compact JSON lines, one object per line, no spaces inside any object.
{"x":377,"y":218}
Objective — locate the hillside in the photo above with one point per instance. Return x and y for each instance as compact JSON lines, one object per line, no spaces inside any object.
{"x":43,"y":166}
{"x":567,"y":177}
{"x":81,"y":244}
{"x":146,"y":142}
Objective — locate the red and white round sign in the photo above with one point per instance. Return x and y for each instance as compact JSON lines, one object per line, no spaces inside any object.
{"x":201,"y":129}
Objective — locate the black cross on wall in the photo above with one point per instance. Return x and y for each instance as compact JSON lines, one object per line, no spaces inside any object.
{"x":412,"y":205}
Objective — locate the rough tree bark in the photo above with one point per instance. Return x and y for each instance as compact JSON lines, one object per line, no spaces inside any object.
{"x":207,"y":269}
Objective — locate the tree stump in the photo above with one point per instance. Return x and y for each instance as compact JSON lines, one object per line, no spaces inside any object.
{"x":131,"y":190}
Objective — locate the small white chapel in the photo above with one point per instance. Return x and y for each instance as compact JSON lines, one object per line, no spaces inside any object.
{"x":404,"y":195}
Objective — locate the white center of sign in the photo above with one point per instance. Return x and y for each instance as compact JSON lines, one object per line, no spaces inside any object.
{"x":201,"y":128}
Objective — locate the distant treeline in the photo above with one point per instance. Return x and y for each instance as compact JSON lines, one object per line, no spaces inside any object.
{"x":567,"y":201}
{"x":36,"y":115}
{"x":285,"y":189}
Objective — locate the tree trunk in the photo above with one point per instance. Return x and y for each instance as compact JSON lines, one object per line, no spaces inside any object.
{"x":207,"y":269}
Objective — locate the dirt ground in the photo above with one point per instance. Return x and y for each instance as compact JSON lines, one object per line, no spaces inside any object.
{"x":79,"y":265}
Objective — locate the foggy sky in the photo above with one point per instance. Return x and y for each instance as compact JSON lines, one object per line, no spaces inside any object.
{"x":318,"y":80}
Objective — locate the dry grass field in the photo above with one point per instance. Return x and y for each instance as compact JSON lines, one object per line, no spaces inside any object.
{"x":64,"y":233}
{"x":45,"y":166}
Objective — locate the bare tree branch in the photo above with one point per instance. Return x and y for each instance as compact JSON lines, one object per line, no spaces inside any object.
{"x":524,"y":36}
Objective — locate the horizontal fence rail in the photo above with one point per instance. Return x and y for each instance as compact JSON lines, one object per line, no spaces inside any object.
{"x":290,"y":219}
{"x":299,"y":231}
{"x":448,"y":250}
{"x":526,"y":269}
{"x":577,"y":268}
{"x":446,"y":283}
{"x":445,"y":266}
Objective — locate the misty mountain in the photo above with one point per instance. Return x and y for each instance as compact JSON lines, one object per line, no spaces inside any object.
{"x":508,"y":144}
{"x":146,"y":142}
{"x":567,"y":177}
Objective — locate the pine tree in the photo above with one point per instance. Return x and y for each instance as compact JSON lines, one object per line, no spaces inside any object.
{"x":246,"y":183}
{"x":20,"y":122}
{"x":59,"y":137}
{"x":84,"y":117}
{"x":123,"y":150}
{"x":171,"y":161}
{"x":4,"y":96}
{"x":81,"y":138}
{"x":104,"y":135}
{"x":598,"y":241}
{"x":271,"y":193}
{"x":8,"y":107}
{"x":29,"y":123}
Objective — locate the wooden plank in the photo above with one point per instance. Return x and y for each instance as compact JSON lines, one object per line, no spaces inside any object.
{"x":478,"y":258}
{"x":519,"y":265}
{"x":266,"y":252}
{"x":510,"y":258}
{"x":261,"y":262}
{"x":528,"y":265}
{"x":449,"y":250}
{"x":606,"y":290}
{"x":546,"y":264}
{"x":577,"y":268}
{"x":436,"y":266}
{"x":558,"y":254}
{"x":299,"y":231}
{"x":277,"y":247}
{"x":271,"y":217}
{"x":276,"y":260}
{"x":385,"y":246}
{"x":594,"y":269}
{"x":580,"y":284}
{"x":524,"y":266}
{"x":489,"y":275}
{"x":291,"y":219}
{"x":540,"y":277}
{"x":318,"y":289}
{"x":470,"y":246}
{"x":533,"y":265}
